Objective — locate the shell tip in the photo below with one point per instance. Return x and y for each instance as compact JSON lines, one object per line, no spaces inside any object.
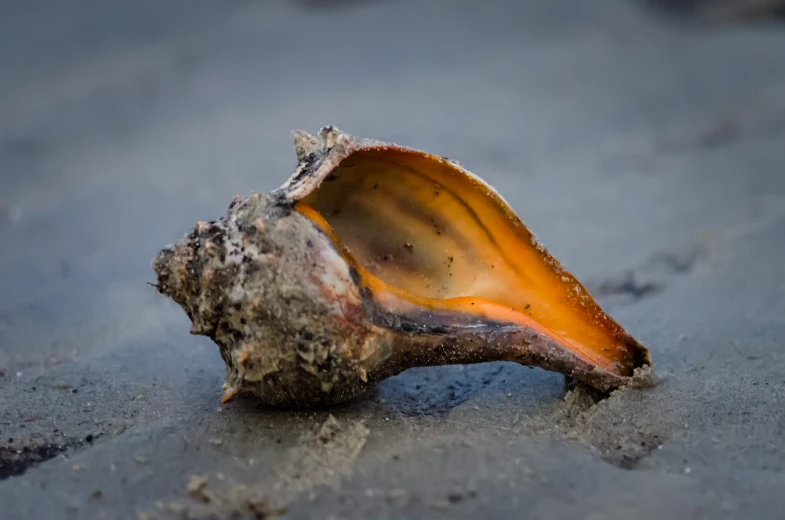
{"x":330,"y":135}
{"x":304,"y":144}
{"x":229,"y":394}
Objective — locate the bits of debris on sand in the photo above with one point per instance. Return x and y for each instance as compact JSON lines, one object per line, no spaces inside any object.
{"x":323,"y":454}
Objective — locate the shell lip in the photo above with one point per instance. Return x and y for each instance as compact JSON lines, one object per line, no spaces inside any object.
{"x":465,"y":339}
{"x":337,"y":144}
{"x":319,"y":155}
{"x":512,"y":342}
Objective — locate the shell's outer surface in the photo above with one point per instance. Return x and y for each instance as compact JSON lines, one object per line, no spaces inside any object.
{"x":278,"y":299}
{"x":374,"y":258}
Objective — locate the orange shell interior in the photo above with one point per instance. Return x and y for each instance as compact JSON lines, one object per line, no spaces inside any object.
{"x":423,"y":233}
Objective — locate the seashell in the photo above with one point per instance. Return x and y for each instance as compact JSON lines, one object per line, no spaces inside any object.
{"x":371,"y":259}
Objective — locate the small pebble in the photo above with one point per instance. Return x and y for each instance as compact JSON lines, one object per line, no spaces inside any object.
{"x":454,"y":497}
{"x":196,"y":484}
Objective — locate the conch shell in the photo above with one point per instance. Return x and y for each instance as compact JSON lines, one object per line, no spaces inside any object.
{"x":373,"y":258}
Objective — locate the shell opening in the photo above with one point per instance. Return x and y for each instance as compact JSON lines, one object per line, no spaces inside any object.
{"x":424,"y":232}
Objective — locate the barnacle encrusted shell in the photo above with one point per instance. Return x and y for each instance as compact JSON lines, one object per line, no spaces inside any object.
{"x":373,"y":258}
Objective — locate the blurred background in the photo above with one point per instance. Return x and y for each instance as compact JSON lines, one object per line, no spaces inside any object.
{"x":642,"y":141}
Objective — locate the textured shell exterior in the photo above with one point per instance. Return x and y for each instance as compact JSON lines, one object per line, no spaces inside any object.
{"x":280,"y":302}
